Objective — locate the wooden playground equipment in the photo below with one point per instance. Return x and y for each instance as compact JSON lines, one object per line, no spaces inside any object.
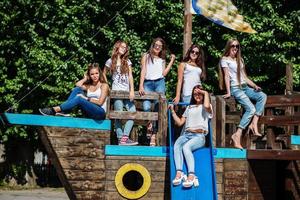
{"x":89,"y":167}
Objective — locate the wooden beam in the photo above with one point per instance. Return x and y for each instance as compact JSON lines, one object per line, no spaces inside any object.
{"x":133,"y":115}
{"x":125,"y":95}
{"x":280,"y":120}
{"x":187,"y":34}
{"x":57,"y":121}
{"x":283,"y":100}
{"x":273,"y":154}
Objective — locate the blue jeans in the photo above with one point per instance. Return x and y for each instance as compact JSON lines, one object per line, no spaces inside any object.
{"x":118,"y":106}
{"x":244,"y":95}
{"x":185,"y":145}
{"x":153,"y":86}
{"x":90,"y":109}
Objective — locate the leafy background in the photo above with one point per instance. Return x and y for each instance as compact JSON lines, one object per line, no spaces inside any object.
{"x":47,"y":44}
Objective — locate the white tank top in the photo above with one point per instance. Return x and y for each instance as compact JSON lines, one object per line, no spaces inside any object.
{"x":154,"y":70}
{"x":96,"y":95}
{"x":191,"y":77}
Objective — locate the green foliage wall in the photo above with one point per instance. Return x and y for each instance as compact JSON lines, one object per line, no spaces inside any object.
{"x":51,"y":41}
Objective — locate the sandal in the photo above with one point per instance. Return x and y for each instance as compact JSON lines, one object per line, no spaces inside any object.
{"x":153,"y":140}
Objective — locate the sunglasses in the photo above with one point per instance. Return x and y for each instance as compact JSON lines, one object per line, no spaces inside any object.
{"x":235,"y":46}
{"x":157,"y":46}
{"x":195,"y":52}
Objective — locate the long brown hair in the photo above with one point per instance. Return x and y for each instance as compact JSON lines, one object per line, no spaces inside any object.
{"x":199,"y":61}
{"x":124,"y":58}
{"x":239,"y":62}
{"x":193,"y":100}
{"x":162,"y":53}
{"x":94,"y":66}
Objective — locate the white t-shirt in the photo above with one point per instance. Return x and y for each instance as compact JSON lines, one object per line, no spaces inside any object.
{"x":120,"y":81}
{"x":232,"y":66}
{"x":196,"y":117}
{"x":154,"y":70}
{"x":191,"y":78}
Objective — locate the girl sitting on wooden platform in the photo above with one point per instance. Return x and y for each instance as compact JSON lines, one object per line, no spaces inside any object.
{"x":89,"y":95}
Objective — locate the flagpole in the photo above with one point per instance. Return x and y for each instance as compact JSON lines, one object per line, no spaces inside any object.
{"x":187,"y":34}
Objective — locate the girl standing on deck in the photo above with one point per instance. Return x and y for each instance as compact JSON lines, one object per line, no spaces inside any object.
{"x":90,"y":95}
{"x":152,"y":78}
{"x":233,"y":76}
{"x":195,"y":118}
{"x":190,"y":73}
{"x":120,"y":68}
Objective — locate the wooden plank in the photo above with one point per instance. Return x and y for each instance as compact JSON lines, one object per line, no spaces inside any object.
{"x":280,"y":120}
{"x":152,"y":116}
{"x":232,"y":119}
{"x":77,"y":133}
{"x":220,"y":121}
{"x":59,"y":169}
{"x":157,"y":151}
{"x":163,"y":120}
{"x":68,"y":122}
{"x":273,"y":154}
{"x":283,"y":100}
{"x":231,"y":153}
{"x":125,"y":95}
{"x":89,"y":195}
{"x":82,"y":164}
{"x":88,"y":185}
{"x":98,"y":175}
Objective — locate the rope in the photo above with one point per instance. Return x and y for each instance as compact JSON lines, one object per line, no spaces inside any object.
{"x":89,"y":40}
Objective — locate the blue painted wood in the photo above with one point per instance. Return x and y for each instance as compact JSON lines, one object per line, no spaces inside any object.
{"x":230,"y":153}
{"x":68,"y":122}
{"x":163,"y":151}
{"x":295,"y":139}
{"x":115,"y":150}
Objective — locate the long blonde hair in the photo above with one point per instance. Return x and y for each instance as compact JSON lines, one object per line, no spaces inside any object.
{"x":124,"y":58}
{"x":239,"y":62}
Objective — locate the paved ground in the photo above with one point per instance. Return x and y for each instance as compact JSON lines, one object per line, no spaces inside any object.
{"x":34,"y":194}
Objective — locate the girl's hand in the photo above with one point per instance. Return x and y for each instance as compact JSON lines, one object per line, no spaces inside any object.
{"x":176,"y":100}
{"x":171,"y":107}
{"x":82,"y":96}
{"x":131,"y":96}
{"x":225,"y":96}
{"x":142,"y":91}
{"x":173,"y":57}
{"x":257,"y":88}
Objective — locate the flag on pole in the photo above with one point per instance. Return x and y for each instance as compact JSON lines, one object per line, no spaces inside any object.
{"x":221,"y":12}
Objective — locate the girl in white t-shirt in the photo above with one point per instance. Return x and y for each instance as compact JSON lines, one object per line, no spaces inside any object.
{"x":195,"y":118}
{"x":121,"y":73}
{"x":233,"y":78}
{"x":152,"y":77}
{"x":190,"y":73}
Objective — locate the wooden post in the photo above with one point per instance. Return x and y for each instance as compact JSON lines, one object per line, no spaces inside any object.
{"x":187,"y":34}
{"x":220,"y":121}
{"x":288,"y":91}
{"x":289,"y":79}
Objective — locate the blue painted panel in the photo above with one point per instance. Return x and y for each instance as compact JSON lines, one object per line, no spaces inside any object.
{"x":295,"y":139}
{"x":230,"y":153}
{"x":115,"y":150}
{"x":69,"y":122}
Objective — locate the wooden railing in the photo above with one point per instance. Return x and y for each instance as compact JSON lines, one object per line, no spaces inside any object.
{"x":282,"y":114}
{"x":140,"y":117}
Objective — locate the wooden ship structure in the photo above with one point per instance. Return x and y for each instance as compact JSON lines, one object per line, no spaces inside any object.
{"x":91,"y":165}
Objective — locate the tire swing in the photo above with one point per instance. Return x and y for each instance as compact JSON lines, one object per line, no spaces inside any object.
{"x":132,"y":180}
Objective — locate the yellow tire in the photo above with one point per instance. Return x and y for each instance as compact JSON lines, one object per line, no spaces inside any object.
{"x":129,"y":194}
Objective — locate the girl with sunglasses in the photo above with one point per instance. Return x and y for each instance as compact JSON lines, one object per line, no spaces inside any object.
{"x":152,"y":78}
{"x":120,"y":69}
{"x":190,"y":73}
{"x":233,"y":78}
{"x":195,"y":118}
